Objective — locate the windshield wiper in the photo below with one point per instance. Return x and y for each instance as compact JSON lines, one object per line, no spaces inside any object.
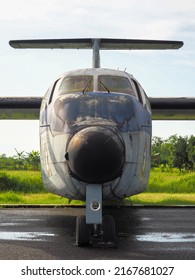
{"x":89,"y":82}
{"x":105,"y":87}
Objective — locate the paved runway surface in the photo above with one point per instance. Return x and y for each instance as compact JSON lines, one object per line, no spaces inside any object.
{"x":143,"y":233}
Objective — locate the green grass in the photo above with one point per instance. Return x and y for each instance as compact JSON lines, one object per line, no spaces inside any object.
{"x":21,"y":181}
{"x":39,"y":198}
{"x":171,"y":182}
{"x":168,"y":188}
{"x":162,"y":199}
{"x":165,"y":188}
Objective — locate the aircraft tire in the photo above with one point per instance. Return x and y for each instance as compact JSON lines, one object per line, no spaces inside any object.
{"x":108,"y":228}
{"x":82,"y":231}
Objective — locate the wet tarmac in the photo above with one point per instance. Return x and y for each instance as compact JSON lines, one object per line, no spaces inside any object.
{"x":142,"y":233}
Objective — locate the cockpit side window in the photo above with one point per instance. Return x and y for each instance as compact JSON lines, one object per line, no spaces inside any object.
{"x":115,"y":84}
{"x":82,"y":83}
{"x":138,"y":91}
{"x":142,"y":96}
{"x":54,"y":90}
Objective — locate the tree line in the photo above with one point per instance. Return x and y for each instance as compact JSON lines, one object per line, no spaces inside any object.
{"x":21,"y":161}
{"x":174,"y":152}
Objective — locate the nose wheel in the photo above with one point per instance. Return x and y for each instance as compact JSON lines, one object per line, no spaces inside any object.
{"x":82,"y":231}
{"x":103,"y":235}
{"x":108,"y":229}
{"x":93,"y":229}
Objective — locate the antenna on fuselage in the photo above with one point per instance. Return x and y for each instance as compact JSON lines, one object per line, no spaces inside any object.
{"x":97,"y":44}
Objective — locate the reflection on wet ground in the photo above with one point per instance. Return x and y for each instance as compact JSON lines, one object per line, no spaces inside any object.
{"x":135,"y":228}
{"x":166,"y":237}
{"x":25,"y":236}
{"x":21,"y":235}
{"x":142,"y":233}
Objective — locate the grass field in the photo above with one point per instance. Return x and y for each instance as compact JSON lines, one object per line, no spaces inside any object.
{"x":165,"y":188}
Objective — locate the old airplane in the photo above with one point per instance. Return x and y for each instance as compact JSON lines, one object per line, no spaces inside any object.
{"x":95,"y":131}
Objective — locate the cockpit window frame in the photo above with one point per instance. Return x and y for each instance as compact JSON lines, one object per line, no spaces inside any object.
{"x":84,"y":88}
{"x":144,"y":100}
{"x":138,"y":92}
{"x":53,"y":90}
{"x":106,"y":87}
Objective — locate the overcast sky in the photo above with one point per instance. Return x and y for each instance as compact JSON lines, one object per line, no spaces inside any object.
{"x":30,"y":72}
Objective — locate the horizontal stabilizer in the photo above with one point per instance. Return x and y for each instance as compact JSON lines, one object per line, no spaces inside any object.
{"x":104,"y":44}
{"x":96,"y":45}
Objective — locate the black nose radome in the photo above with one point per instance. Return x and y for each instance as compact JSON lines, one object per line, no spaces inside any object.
{"x":95,"y":155}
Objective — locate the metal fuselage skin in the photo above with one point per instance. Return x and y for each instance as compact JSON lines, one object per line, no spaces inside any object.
{"x":95,"y":131}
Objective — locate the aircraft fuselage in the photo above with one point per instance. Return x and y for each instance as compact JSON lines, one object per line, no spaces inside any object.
{"x":95,"y":128}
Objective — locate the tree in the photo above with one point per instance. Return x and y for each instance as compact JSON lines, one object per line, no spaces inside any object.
{"x":191,"y":151}
{"x":34,"y":159}
{"x":19,"y":159}
{"x":162,"y":151}
{"x":180,"y":155}
{"x":156,"y":151}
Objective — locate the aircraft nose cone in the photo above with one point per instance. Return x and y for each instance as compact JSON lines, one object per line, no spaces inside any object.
{"x":95,"y":155}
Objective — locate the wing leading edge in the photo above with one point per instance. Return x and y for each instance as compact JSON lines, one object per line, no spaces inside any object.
{"x":20,"y":108}
{"x":172,"y":108}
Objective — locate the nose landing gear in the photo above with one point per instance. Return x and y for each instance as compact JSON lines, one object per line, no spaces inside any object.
{"x":92,"y":229}
{"x":103,"y":235}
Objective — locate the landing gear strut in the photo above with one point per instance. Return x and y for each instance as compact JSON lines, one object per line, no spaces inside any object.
{"x":92,"y":229}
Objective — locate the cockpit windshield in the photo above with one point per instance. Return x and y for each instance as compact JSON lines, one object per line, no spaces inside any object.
{"x":104,"y":83}
{"x":115,"y":84}
{"x":81,"y":83}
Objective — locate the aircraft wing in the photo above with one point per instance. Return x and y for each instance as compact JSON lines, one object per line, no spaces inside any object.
{"x":20,"y":108}
{"x":164,"y":108}
{"x":172,"y":108}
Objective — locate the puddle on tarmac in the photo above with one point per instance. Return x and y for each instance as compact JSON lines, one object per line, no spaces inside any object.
{"x":166,"y":237}
{"x":11,"y":224}
{"x":25,"y":236}
{"x":145,"y":219}
{"x":18,"y":222}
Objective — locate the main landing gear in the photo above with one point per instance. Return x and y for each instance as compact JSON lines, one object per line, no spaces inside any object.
{"x":93,"y":229}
